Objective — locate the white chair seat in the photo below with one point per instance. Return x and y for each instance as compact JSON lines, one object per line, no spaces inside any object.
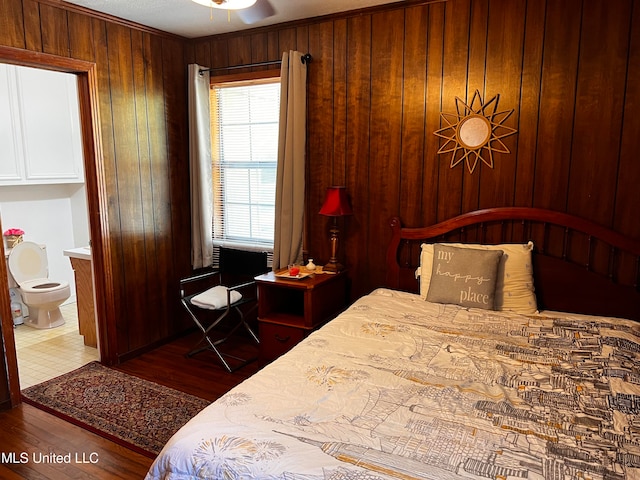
{"x":216,"y":298}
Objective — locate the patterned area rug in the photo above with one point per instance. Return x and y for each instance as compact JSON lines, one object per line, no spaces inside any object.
{"x":133,"y":412}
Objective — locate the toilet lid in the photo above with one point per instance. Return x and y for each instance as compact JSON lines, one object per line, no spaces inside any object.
{"x":27,"y":261}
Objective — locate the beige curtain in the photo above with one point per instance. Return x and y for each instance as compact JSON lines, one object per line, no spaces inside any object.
{"x":200,"y":168}
{"x":289,"y":219}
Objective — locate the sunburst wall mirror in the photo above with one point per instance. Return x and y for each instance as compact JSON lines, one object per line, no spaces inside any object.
{"x":475,"y":132}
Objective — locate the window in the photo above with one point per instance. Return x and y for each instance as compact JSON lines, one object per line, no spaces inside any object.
{"x":244,"y":130}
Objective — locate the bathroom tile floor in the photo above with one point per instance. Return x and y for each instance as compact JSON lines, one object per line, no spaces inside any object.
{"x":44,"y":354}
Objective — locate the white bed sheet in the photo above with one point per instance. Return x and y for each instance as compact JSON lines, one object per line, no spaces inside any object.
{"x":397,"y":387}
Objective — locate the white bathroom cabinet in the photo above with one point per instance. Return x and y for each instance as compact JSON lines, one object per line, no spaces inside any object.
{"x":40,"y":136}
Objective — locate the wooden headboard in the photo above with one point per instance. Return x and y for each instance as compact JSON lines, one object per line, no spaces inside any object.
{"x":579,"y":266}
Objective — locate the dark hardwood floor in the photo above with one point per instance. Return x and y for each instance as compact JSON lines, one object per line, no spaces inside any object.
{"x":201,"y":375}
{"x":28,"y":431}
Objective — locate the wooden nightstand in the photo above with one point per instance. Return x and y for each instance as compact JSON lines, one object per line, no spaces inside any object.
{"x":288,"y":310}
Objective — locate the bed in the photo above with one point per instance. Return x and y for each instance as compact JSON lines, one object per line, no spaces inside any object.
{"x":401,"y":387}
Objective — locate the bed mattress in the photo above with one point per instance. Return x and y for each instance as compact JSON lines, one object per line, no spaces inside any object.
{"x":400,"y":388}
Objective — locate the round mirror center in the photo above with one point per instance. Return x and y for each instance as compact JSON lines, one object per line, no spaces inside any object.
{"x":474,"y":131}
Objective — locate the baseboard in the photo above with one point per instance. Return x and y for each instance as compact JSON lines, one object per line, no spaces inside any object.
{"x":5,"y":405}
{"x":152,"y":346}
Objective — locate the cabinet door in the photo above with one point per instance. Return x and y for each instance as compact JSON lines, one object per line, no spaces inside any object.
{"x":10,"y":146}
{"x":50,"y":127}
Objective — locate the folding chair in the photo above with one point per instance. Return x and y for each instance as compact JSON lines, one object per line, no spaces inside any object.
{"x":232,"y":299}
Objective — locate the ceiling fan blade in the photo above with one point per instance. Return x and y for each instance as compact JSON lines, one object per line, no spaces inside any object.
{"x":259,"y":11}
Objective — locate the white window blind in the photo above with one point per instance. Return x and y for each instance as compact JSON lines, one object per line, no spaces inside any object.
{"x":244,"y":126}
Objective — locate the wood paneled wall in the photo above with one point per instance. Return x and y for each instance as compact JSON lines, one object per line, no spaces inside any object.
{"x":380,"y":79}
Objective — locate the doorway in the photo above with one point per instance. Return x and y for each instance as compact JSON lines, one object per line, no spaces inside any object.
{"x":43,"y":196}
{"x":87,"y":88}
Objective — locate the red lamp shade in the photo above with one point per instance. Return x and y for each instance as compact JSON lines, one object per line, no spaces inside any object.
{"x":336,"y":203}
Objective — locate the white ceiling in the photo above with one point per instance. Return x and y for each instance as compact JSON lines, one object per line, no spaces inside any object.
{"x":191,"y":20}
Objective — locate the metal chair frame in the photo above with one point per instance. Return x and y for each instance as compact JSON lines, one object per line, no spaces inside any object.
{"x":210,"y":343}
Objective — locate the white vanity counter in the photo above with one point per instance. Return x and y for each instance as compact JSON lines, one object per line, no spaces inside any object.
{"x":83,"y":253}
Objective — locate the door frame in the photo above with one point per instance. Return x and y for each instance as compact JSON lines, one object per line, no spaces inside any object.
{"x":95,"y":185}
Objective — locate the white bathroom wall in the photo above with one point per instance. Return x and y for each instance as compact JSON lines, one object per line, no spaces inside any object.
{"x":53,"y":215}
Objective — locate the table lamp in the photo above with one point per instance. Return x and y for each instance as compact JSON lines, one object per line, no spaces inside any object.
{"x":336,"y":204}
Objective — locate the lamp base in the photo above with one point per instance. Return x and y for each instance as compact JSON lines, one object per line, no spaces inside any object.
{"x":333,"y":267}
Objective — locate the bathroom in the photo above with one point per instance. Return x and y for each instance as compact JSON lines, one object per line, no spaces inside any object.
{"x":42,"y":192}
{"x":54,"y":216}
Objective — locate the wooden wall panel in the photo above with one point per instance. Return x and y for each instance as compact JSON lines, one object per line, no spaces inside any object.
{"x":126,"y":242}
{"x":287,"y":38}
{"x":383,"y":173}
{"x":81,"y":37}
{"x":174,"y":225}
{"x":53,"y":25}
{"x":599,"y":102}
{"x":219,"y":54}
{"x":320,"y":107}
{"x":476,"y":79}
{"x":302,"y":40}
{"x":273,"y":46}
{"x":239,"y":52}
{"x":504,"y":78}
{"x":339,"y":146}
{"x":259,"y":48}
{"x":12,"y":24}
{"x":146,"y":247}
{"x":626,"y":199}
{"x":359,"y":63}
{"x":202,"y":54}
{"x":99,"y":30}
{"x":529,"y":108}
{"x":413,"y":133}
{"x":454,"y":84}
{"x":433,"y":104}
{"x":557,"y":103}
{"x":32,"y":26}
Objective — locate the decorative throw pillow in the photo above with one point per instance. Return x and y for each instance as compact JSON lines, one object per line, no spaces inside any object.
{"x":514,"y":286}
{"x":464,"y":276}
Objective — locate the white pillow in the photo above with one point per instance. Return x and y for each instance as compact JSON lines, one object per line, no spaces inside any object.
{"x":515,"y":291}
{"x":215,"y":298}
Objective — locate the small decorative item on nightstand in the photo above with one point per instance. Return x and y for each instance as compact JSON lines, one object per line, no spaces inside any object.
{"x":310,"y":265}
{"x":294,"y":270}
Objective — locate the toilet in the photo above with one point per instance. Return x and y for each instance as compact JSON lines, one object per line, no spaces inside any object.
{"x":29,"y":268}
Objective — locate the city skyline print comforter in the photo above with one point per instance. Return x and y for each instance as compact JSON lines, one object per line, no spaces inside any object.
{"x":400,"y":388}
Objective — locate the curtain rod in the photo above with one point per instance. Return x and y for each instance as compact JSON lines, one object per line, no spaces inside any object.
{"x":306,"y":58}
